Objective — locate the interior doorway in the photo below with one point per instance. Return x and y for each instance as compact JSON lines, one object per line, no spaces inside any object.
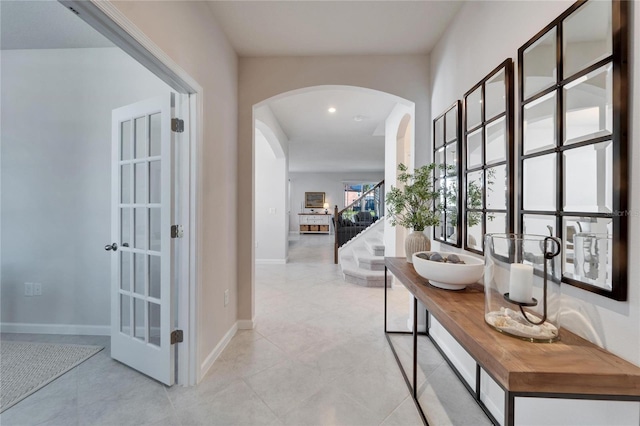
{"x":63,"y":157}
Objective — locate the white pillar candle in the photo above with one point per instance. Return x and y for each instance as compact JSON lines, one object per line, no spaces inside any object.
{"x":521,"y":283}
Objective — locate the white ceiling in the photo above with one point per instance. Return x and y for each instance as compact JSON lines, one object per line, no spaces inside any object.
{"x":323,"y":141}
{"x":319,"y":141}
{"x":279,"y":28}
{"x":44,"y":25}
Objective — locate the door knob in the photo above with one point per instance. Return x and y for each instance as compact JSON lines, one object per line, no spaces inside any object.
{"x":113,"y":247}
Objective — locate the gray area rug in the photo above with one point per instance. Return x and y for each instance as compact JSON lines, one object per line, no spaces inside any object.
{"x":25,"y":367}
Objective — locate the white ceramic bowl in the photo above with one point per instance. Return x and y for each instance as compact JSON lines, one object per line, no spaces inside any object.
{"x":449,"y":276}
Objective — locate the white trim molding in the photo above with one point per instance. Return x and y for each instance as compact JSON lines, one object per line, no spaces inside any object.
{"x":74,"y":329}
{"x":246,"y":324}
{"x":272,"y":261}
{"x":215,"y":353}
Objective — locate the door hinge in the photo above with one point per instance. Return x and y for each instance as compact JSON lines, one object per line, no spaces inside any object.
{"x":177,"y":125}
{"x":176,"y":336}
{"x":177,"y":231}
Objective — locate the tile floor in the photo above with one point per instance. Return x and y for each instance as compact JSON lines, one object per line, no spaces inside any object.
{"x":318,"y":356}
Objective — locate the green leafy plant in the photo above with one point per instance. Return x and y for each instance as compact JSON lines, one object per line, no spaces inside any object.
{"x":412,"y":205}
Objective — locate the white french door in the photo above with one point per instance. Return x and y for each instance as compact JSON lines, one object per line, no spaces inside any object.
{"x":142,"y":209}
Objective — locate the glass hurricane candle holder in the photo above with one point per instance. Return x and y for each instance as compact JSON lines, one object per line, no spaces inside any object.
{"x":522,"y":285}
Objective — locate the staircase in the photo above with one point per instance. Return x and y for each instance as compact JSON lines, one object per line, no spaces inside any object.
{"x":362,"y":258}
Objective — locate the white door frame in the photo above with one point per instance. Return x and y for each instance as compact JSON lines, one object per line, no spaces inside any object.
{"x":103,"y":16}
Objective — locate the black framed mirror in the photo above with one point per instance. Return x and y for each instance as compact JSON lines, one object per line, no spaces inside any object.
{"x":488,"y":157}
{"x":447,"y":180}
{"x":573,"y":142}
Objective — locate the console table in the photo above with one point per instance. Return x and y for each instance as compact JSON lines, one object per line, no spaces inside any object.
{"x":314,"y":223}
{"x":572,"y":368}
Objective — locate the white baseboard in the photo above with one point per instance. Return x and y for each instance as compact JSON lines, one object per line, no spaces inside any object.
{"x":215,"y":353}
{"x":246,"y":324}
{"x":82,"y":330}
{"x":272,"y":261}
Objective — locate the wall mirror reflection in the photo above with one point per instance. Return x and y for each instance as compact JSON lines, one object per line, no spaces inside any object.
{"x":447,"y":156}
{"x":573,"y":149}
{"x":488,"y":148}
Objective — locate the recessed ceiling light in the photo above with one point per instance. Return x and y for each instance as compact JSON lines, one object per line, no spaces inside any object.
{"x":332,"y":110}
{"x":360,"y":117}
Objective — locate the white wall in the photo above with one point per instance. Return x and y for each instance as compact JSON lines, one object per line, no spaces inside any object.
{"x":271,"y":165}
{"x":56,"y":181}
{"x":394,"y":154}
{"x":188,"y":33}
{"x":271,"y":236}
{"x":332,"y":184}
{"x":474,"y":44}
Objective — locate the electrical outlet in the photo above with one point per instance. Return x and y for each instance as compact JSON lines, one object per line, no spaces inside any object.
{"x":28,"y":289}
{"x":37,"y":289}
{"x":226,"y":297}
{"x":256,"y":244}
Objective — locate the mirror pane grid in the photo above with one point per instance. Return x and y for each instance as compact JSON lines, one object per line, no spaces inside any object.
{"x":588,"y":106}
{"x":474,"y":230}
{"x":591,"y":150}
{"x":438,"y":133}
{"x":474,"y":149}
{"x":496,"y":184}
{"x":474,"y":108}
{"x":539,"y":65}
{"x":539,"y":184}
{"x":447,"y":174}
{"x":587,"y":36}
{"x":495,"y":141}
{"x":475,"y":187}
{"x":451,"y":159}
{"x":451,"y":122}
{"x":496,"y":223}
{"x":539,"y":124}
{"x":589,"y":250}
{"x":495,"y":95}
{"x":588,"y":178}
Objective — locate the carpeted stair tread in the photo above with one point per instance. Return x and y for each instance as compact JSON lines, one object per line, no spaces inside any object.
{"x":366,"y":260}
{"x":375,"y":246}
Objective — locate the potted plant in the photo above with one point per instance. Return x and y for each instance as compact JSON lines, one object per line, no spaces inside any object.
{"x":412,"y":206}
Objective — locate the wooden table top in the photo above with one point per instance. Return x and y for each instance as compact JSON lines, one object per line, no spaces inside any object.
{"x":571,"y":365}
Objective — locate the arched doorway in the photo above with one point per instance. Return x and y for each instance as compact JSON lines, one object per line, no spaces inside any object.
{"x":395,"y":130}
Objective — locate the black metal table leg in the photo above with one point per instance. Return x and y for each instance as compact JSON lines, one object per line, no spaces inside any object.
{"x":415,"y":348}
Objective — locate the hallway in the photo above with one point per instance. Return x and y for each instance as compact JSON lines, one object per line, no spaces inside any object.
{"x":318,"y":356}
